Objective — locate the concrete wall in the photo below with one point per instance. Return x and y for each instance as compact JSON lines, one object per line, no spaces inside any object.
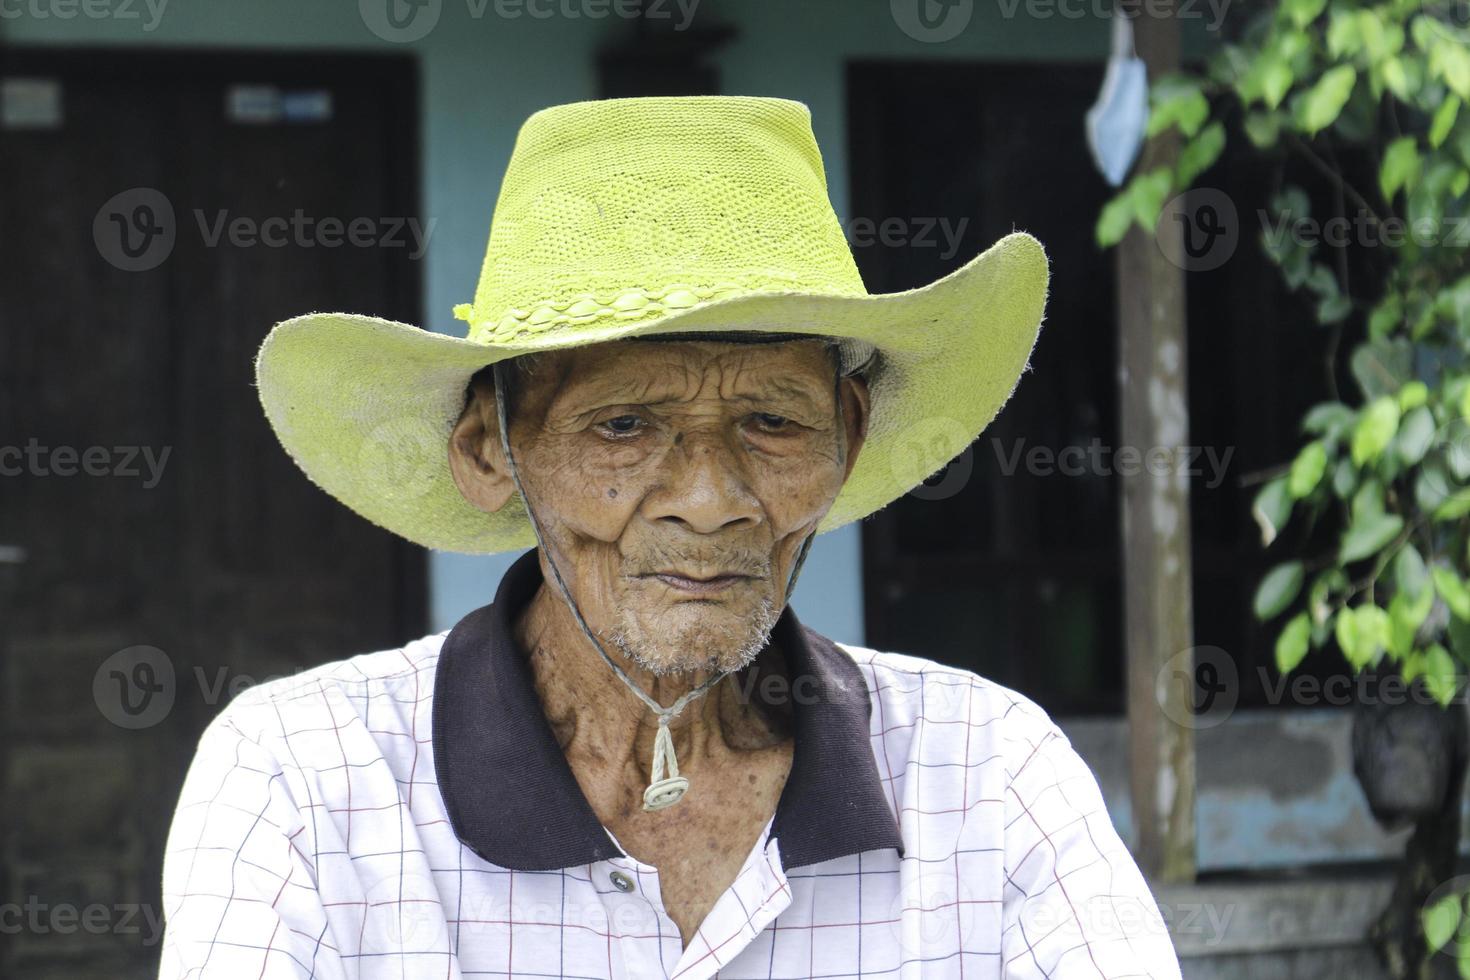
{"x":1275,"y":790}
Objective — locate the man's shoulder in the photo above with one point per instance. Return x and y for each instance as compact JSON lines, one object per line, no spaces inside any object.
{"x":365,"y":677}
{"x":905,"y":685}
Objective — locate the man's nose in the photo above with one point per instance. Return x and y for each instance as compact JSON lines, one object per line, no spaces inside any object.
{"x":704,"y":488}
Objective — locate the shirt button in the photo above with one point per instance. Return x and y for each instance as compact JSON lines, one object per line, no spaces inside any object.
{"x":621,"y":881}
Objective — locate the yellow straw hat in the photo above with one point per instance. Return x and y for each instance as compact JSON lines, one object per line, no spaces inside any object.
{"x":623,"y":218}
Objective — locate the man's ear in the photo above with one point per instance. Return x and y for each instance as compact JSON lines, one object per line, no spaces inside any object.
{"x":853,"y":390}
{"x":475,"y":458}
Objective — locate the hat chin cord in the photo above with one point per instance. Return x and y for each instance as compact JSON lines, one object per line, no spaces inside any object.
{"x":666,"y":787}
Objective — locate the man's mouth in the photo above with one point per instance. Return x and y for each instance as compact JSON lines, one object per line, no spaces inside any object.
{"x":699,"y":585}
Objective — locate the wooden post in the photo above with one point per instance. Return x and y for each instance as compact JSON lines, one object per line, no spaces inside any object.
{"x":1156,"y":539}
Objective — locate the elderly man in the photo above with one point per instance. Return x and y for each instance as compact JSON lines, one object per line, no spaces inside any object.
{"x":635,"y":761}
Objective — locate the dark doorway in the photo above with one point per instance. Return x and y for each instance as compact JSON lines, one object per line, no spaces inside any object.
{"x":160,"y":212}
{"x":1008,"y":563}
{"x":998,"y":565}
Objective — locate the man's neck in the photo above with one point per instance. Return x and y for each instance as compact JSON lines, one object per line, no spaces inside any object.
{"x":593,"y":713}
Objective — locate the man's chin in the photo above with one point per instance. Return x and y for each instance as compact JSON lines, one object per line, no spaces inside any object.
{"x":685,"y":636}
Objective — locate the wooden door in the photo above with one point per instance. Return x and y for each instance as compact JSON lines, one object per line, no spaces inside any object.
{"x":158,"y":214}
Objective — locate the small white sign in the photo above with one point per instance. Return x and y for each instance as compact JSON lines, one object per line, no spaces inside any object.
{"x":308,"y":106}
{"x":253,"y":104}
{"x":30,"y":103}
{"x":266,"y":104}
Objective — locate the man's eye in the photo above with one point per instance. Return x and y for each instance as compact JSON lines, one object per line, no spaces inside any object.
{"x":623,"y":424}
{"x":771,"y":422}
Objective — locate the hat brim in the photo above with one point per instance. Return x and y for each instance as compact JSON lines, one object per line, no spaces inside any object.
{"x":365,"y":406}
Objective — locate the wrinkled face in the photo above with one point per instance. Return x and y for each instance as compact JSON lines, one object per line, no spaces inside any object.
{"x":674,"y":483}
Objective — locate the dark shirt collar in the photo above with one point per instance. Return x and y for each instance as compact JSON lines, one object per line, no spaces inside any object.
{"x":511,"y":796}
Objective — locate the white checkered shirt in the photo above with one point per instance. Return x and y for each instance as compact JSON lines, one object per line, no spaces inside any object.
{"x":402,"y":814}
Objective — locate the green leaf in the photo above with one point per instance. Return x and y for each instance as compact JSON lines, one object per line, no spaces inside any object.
{"x":1425,"y":31}
{"x":1344,"y":38}
{"x":1458,"y":631}
{"x":1371,"y":528}
{"x":1444,"y":120}
{"x":1114,"y":221}
{"x":1440,"y":921}
{"x":1440,"y":675}
{"x":1334,"y":308}
{"x":1450,"y":61}
{"x":1462,"y":952}
{"x":1452,"y":590}
{"x":1415,"y":435}
{"x":1370,"y":29}
{"x":1400,"y":166}
{"x":1271,"y":509}
{"x":1263,"y":129}
{"x":1430,"y":485}
{"x":1275,"y":81}
{"x":1454,"y":506}
{"x":1344,"y":478}
{"x":1412,"y":666}
{"x":1376,"y":426}
{"x":1329,"y":419}
{"x":1381,"y":39}
{"x":1387,"y":315}
{"x":1323,"y":102}
{"x":1176,"y":101}
{"x":1369,"y":535}
{"x":1148,"y":192}
{"x":1281,"y":585}
{"x":1384,"y":367}
{"x":1306,"y":470}
{"x":1394,"y":77}
{"x":1291,"y":645}
{"x":1361,"y":633}
{"x":1303,"y":12}
{"x":1405,"y":616}
{"x":1200,"y":153}
{"x":1412,"y":395}
{"x":1410,"y":574}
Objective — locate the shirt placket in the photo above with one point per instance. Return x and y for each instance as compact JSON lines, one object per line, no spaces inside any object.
{"x":645,"y":941}
{"x":759,"y":893}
